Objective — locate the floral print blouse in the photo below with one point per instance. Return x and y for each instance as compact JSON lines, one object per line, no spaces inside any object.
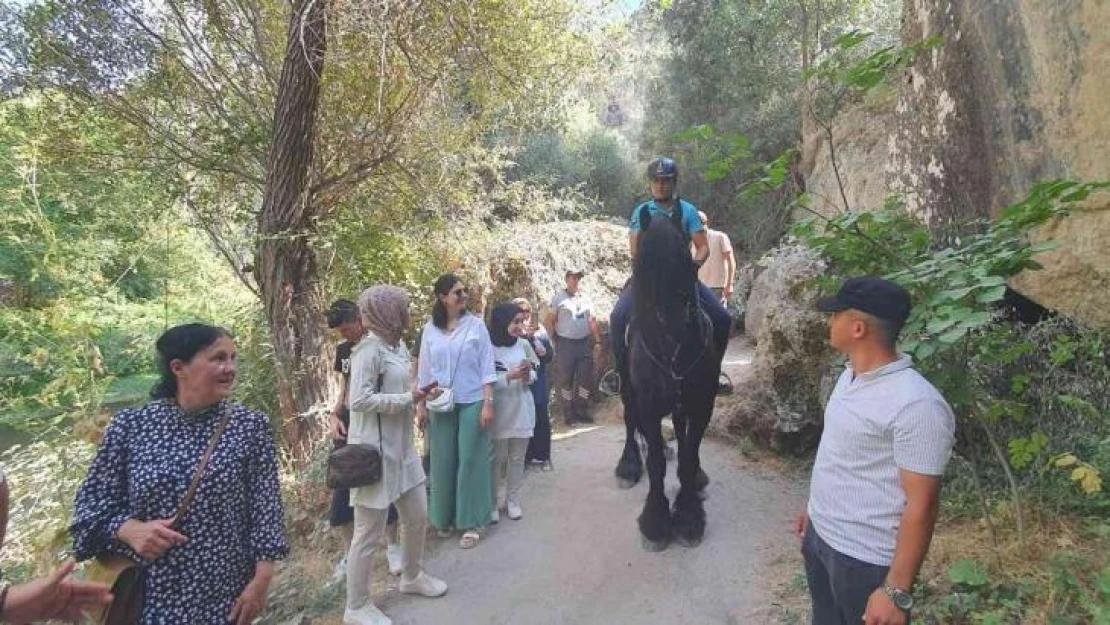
{"x":142,"y":470}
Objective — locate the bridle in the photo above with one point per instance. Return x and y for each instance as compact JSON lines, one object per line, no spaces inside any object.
{"x":669,"y":368}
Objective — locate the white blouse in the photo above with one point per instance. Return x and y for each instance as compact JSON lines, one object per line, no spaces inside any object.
{"x":461,"y":360}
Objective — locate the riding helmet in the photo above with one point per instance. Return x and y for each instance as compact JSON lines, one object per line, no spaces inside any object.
{"x":662,"y":167}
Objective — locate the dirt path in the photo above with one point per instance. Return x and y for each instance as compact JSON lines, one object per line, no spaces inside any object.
{"x":576,"y":555}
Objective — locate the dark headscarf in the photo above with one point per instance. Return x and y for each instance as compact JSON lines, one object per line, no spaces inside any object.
{"x":499,"y":321}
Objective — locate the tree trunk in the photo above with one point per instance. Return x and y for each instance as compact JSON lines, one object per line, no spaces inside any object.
{"x":286,"y":264}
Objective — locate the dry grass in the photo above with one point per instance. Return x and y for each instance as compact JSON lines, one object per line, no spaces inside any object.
{"x":1012,"y":563}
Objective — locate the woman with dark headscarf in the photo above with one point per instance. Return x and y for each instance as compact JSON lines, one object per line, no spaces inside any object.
{"x":513,"y":407}
{"x":381,"y":398}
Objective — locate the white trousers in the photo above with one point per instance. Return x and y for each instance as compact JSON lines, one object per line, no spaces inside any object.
{"x":507,"y":465}
{"x":369,"y":525}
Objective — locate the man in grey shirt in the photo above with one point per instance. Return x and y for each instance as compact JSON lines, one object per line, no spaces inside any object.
{"x":572,"y":323}
{"x":876,"y":481}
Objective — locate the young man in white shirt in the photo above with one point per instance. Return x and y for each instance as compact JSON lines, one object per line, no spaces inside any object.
{"x":877,"y":477}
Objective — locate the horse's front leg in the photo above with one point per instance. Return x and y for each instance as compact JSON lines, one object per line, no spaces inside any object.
{"x":689,"y":511}
{"x":630,"y":468}
{"x":655,"y":520}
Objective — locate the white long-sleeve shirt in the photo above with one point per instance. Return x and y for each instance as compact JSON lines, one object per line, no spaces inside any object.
{"x":461,"y":360}
{"x":514,"y":408}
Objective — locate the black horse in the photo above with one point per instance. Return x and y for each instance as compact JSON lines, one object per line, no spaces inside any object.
{"x":672,"y":368}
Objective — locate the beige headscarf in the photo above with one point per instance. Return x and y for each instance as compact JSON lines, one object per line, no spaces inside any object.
{"x":385,"y":311}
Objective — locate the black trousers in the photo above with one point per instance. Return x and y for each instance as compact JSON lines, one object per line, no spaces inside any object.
{"x":839,"y":585}
{"x":539,"y":448}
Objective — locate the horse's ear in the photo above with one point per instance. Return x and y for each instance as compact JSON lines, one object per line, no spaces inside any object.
{"x":645,"y":218}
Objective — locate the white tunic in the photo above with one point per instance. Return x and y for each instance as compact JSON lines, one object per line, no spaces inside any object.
{"x":393,"y":406}
{"x":514,"y":408}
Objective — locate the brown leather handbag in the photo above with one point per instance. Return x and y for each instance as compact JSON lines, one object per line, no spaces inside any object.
{"x":356,"y":464}
{"x":125,"y":576}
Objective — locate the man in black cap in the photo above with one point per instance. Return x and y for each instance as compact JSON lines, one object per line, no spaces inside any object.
{"x":571,"y":321}
{"x":876,"y":481}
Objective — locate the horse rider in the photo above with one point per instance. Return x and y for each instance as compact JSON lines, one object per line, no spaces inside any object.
{"x":663,"y":176}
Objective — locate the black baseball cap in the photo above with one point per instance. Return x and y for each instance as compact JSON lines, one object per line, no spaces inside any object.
{"x":872,"y":295}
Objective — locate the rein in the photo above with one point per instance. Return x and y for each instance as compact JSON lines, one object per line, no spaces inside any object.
{"x":670,"y":368}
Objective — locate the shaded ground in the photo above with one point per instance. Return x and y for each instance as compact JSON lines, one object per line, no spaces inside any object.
{"x":576,"y":556}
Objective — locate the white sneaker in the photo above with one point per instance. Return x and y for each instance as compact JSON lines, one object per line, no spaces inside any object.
{"x":515,"y":511}
{"x":425,"y":585}
{"x":495,"y":516}
{"x":340,"y":573}
{"x":368,"y":614}
{"x":395,"y":557}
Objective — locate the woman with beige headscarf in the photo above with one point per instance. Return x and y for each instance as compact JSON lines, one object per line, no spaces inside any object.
{"x":381,"y":399}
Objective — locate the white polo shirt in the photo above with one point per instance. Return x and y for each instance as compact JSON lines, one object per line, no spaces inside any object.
{"x":875,"y":424}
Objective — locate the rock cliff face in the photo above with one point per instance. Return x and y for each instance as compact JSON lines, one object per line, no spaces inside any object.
{"x":1016,"y":95}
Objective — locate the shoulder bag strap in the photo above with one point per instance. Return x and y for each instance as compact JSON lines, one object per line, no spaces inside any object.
{"x":183,"y":509}
{"x":381,"y":440}
{"x":455,"y":369}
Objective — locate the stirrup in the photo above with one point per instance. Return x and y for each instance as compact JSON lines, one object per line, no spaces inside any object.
{"x":610,"y":383}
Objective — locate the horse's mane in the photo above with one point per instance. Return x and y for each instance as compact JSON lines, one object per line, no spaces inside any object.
{"x":663,"y":276}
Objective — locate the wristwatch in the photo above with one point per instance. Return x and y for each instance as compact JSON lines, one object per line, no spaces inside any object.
{"x":901,"y":598}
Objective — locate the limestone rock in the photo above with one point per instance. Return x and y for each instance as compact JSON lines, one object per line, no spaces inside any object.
{"x":1014,"y":96}
{"x":780,"y":401}
{"x":786,"y":269}
{"x":531,"y":260}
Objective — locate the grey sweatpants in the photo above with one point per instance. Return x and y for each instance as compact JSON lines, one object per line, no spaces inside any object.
{"x":507,"y":466}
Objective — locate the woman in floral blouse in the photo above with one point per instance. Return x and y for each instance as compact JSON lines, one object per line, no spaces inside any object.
{"x":215,"y":566}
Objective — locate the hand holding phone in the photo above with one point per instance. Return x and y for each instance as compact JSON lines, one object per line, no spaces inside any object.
{"x":420,"y":394}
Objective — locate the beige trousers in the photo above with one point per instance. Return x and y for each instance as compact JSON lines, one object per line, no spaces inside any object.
{"x":412,"y":507}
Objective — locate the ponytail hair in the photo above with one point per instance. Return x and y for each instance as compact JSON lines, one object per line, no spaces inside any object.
{"x":443,"y":286}
{"x":182,"y":343}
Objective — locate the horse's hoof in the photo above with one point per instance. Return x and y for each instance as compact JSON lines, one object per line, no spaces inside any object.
{"x":624,"y":483}
{"x":653,"y":546}
{"x":687,"y":541}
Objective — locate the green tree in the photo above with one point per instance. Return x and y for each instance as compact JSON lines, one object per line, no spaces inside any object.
{"x":276,"y":121}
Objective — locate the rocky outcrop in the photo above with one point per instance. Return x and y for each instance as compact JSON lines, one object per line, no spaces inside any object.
{"x":531,"y":260}
{"x":1014,"y":96}
{"x":780,"y":400}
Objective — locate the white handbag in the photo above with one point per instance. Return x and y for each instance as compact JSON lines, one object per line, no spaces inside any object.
{"x":445,"y":401}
